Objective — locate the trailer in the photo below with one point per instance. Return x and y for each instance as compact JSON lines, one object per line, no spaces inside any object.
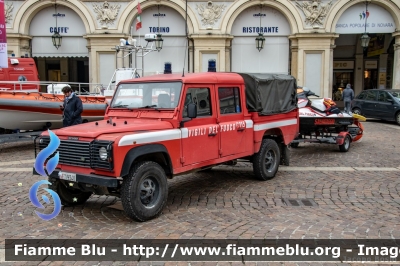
{"x":19,"y":136}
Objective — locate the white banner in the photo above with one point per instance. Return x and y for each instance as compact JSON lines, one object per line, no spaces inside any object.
{"x":377,"y":18}
{"x":3,"y":38}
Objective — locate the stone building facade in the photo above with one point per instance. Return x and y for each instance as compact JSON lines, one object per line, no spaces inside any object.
{"x":318,"y":41}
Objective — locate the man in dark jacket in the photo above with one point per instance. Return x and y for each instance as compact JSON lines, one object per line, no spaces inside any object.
{"x":72,"y":108}
{"x":348,"y":96}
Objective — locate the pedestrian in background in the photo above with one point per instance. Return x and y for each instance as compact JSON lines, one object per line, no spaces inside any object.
{"x":72,"y":108}
{"x":348,"y":96}
{"x":338,"y":94}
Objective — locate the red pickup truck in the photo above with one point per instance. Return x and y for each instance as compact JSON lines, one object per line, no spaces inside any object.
{"x":161,"y":126}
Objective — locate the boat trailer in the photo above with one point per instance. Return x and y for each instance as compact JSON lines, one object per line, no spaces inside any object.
{"x":19,"y":136}
{"x":342,"y":138}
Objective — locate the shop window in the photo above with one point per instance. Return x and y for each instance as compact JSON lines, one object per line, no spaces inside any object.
{"x":341,"y":79}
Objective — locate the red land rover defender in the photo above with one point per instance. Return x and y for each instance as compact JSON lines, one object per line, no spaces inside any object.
{"x":161,"y":126}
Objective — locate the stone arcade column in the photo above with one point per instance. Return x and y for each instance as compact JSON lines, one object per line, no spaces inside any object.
{"x":396,"y":63}
{"x":314,"y":56}
{"x":18,"y":44}
{"x":294,"y":67}
{"x":102,"y":56}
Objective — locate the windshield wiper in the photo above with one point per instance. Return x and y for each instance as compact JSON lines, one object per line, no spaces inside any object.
{"x":120,"y":106}
{"x":149,"y":106}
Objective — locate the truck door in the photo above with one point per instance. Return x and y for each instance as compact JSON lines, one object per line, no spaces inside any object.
{"x":231,"y":121}
{"x":200,"y":136}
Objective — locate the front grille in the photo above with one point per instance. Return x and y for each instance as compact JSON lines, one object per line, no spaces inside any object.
{"x":81,"y":153}
{"x":71,"y":152}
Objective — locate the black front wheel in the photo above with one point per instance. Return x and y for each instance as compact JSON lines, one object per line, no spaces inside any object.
{"x":69,"y":196}
{"x":144,"y":191}
{"x":266,"y":161}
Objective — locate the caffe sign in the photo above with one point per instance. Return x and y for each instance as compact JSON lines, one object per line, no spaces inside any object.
{"x":343,"y":64}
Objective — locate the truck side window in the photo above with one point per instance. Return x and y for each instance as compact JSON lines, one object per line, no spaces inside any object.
{"x":200,"y":97}
{"x":229,"y":100}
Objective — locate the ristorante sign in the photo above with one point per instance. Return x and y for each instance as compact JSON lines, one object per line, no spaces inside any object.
{"x":268,"y":21}
{"x":376,"y":20}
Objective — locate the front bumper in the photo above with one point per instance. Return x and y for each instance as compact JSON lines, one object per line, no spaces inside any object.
{"x":88,"y":179}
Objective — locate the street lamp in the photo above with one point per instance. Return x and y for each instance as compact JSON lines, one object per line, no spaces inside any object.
{"x":159,"y":42}
{"x":56,"y":37}
{"x":260,"y":40}
{"x":365,"y":38}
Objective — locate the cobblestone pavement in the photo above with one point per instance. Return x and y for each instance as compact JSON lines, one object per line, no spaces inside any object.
{"x":357,"y":195}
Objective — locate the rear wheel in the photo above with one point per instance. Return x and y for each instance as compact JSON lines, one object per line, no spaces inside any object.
{"x":69,"y":196}
{"x":398,"y":118}
{"x":346,"y":144}
{"x":266,"y":161}
{"x":144,"y":192}
{"x":357,"y":111}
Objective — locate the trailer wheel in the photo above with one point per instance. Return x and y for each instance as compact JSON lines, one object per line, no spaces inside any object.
{"x":346,"y":144}
{"x":144,"y":191}
{"x":266,"y":161}
{"x":69,"y":196}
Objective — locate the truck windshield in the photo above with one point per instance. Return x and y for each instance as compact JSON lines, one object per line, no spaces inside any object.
{"x":147,"y":95}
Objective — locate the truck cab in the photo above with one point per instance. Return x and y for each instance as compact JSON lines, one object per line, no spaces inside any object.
{"x":21,"y":75}
{"x":161,"y":126}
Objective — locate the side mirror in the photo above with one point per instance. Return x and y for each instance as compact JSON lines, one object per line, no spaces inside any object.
{"x":192,"y":110}
{"x":390,"y":100}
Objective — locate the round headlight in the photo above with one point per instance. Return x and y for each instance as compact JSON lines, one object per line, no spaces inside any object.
{"x":103,"y":153}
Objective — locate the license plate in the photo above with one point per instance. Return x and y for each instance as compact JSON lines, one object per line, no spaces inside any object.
{"x":68,"y":176}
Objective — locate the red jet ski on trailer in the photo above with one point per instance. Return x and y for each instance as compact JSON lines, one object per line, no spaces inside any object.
{"x":322,"y":122}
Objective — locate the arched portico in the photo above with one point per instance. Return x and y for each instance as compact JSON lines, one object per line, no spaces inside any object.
{"x":378,"y":64}
{"x":289,"y":11}
{"x":130,"y":13}
{"x":31,"y":7}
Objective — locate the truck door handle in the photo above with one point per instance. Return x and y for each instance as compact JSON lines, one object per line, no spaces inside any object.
{"x":241,"y":129}
{"x":212,"y":134}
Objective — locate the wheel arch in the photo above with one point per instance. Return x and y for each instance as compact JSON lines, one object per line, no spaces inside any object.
{"x":273,"y":133}
{"x":395,"y":117}
{"x":152,"y":152}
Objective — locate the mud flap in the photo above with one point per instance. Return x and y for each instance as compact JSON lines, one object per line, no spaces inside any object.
{"x":285,"y":154}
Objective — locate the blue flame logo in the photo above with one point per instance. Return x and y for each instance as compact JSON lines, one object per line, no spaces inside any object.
{"x":35,"y":201}
{"x":50,"y":166}
{"x":45,"y":153}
